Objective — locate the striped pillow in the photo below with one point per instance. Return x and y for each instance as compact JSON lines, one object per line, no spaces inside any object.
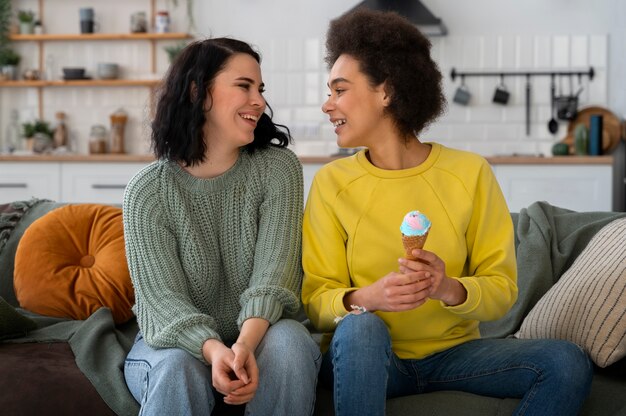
{"x":588,"y":303}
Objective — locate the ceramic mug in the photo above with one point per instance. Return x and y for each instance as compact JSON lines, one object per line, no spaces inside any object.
{"x":87,"y":19}
{"x":86,"y":13}
{"x":501,"y":95}
{"x":462,"y":95}
{"x":108,"y":70}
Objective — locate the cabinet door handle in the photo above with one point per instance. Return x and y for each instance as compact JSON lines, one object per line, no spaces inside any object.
{"x":13,"y":185}
{"x":107,"y":186}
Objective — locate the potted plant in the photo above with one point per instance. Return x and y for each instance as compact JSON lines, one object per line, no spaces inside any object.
{"x":5,"y":22}
{"x":38,"y":131}
{"x":174,"y":50}
{"x":27,"y":21}
{"x":9,"y":59}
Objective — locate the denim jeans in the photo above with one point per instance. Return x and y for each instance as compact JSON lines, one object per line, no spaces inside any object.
{"x":551,"y":377}
{"x":170,"y":381}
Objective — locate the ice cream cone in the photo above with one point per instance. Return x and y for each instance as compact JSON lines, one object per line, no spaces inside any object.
{"x":411,"y":243}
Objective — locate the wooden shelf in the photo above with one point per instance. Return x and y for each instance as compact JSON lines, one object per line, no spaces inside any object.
{"x":41,"y":40}
{"x":100,"y":36}
{"x":83,"y":83}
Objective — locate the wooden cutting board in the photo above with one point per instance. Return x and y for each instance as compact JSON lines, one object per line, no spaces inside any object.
{"x":611,"y":128}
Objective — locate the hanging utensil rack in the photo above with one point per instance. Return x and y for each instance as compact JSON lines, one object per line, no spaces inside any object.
{"x":454,"y":73}
{"x":528,"y":74}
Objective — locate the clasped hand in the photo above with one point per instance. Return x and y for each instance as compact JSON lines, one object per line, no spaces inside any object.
{"x":234,"y":371}
{"x":429,"y":267}
{"x":415,"y":283}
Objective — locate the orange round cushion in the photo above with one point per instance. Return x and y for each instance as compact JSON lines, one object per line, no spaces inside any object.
{"x":71,"y":262}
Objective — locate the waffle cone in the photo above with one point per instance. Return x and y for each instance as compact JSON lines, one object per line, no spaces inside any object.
{"x":410,"y":243}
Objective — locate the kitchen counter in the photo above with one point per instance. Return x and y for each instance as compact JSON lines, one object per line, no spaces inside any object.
{"x":494,"y":160}
{"x":581,"y":183}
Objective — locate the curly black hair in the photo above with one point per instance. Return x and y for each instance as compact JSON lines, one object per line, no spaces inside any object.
{"x":390,"y":49}
{"x":177,"y":127}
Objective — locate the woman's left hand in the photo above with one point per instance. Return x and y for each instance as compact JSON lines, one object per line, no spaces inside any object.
{"x":443,"y":288}
{"x":245,"y":368}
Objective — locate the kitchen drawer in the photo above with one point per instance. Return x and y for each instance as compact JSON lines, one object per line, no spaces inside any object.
{"x":576,"y":187}
{"x":21,"y":181}
{"x":102,"y":183}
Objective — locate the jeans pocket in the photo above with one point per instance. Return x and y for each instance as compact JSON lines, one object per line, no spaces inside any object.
{"x":136,"y":373}
{"x":399,"y":365}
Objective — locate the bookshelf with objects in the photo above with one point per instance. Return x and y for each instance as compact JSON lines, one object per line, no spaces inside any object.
{"x":80,"y":175}
{"x":41,"y":89}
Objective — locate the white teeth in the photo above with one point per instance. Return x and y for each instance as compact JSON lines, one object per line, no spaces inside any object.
{"x":339,"y":122}
{"x":250,"y":117}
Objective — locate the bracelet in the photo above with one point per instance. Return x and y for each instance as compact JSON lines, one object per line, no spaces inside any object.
{"x":356,"y":310}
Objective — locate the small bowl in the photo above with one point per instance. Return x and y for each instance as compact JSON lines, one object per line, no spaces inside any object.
{"x":74,"y":73}
{"x":108,"y":70}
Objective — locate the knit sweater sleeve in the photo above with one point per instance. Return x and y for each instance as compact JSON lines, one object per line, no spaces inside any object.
{"x":276,"y":279}
{"x":165,"y":313}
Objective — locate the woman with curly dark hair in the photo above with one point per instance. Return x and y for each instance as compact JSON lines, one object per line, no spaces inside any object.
{"x":212,"y":231}
{"x":406,"y":322}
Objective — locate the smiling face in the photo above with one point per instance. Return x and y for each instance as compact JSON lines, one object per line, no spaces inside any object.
{"x":355,"y":107}
{"x":235,"y":103}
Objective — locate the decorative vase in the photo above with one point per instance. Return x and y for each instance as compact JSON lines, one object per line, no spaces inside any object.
{"x":27,"y":28}
{"x":560,"y":149}
{"x":581,"y":140}
{"x":9,"y":72}
{"x":29,"y":143}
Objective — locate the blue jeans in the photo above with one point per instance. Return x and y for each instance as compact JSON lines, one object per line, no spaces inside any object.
{"x":551,"y":377}
{"x":170,"y":381}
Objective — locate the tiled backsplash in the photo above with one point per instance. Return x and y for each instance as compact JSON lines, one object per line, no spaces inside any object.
{"x":296,"y":76}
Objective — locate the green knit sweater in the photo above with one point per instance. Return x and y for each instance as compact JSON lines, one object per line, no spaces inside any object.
{"x":207,"y":254}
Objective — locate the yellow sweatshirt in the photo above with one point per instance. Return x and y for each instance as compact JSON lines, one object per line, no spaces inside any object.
{"x":351,"y":238}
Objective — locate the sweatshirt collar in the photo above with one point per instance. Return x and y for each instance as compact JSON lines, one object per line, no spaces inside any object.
{"x":364,"y":162}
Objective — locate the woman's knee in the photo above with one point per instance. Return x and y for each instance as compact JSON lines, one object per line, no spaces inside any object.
{"x":571,"y":363}
{"x":288,"y":352}
{"x":563,"y":363}
{"x":290,"y":341}
{"x":362,"y":329}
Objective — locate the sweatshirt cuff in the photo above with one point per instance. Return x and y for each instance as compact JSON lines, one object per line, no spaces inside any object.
{"x":266,"y":307}
{"x":191,"y":339}
{"x":473,"y":297}
{"x":338,"y":308}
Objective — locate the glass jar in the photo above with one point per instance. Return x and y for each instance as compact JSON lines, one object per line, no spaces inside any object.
{"x":12,"y":137}
{"x":60,"y":132}
{"x":118,"y":123}
{"x":162,"y":21}
{"x":138,"y":22}
{"x":97,"y":139}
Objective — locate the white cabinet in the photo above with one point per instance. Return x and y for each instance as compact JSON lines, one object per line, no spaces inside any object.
{"x":308,"y":171}
{"x":579,"y":187}
{"x":576,"y":187}
{"x":21,"y":181}
{"x":76,"y":182}
{"x":96,"y":182}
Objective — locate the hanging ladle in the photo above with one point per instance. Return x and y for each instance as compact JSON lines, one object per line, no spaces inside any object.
{"x":553,"y":125}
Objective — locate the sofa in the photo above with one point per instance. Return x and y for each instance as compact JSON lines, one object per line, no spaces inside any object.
{"x":66,"y":365}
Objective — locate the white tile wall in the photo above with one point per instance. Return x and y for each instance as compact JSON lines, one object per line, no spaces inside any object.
{"x":296,"y":76}
{"x":482,"y":126}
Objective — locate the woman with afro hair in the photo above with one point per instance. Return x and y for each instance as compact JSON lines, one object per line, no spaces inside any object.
{"x":398,"y":325}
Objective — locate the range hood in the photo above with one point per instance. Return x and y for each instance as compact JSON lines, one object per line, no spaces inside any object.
{"x":413,"y":10}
